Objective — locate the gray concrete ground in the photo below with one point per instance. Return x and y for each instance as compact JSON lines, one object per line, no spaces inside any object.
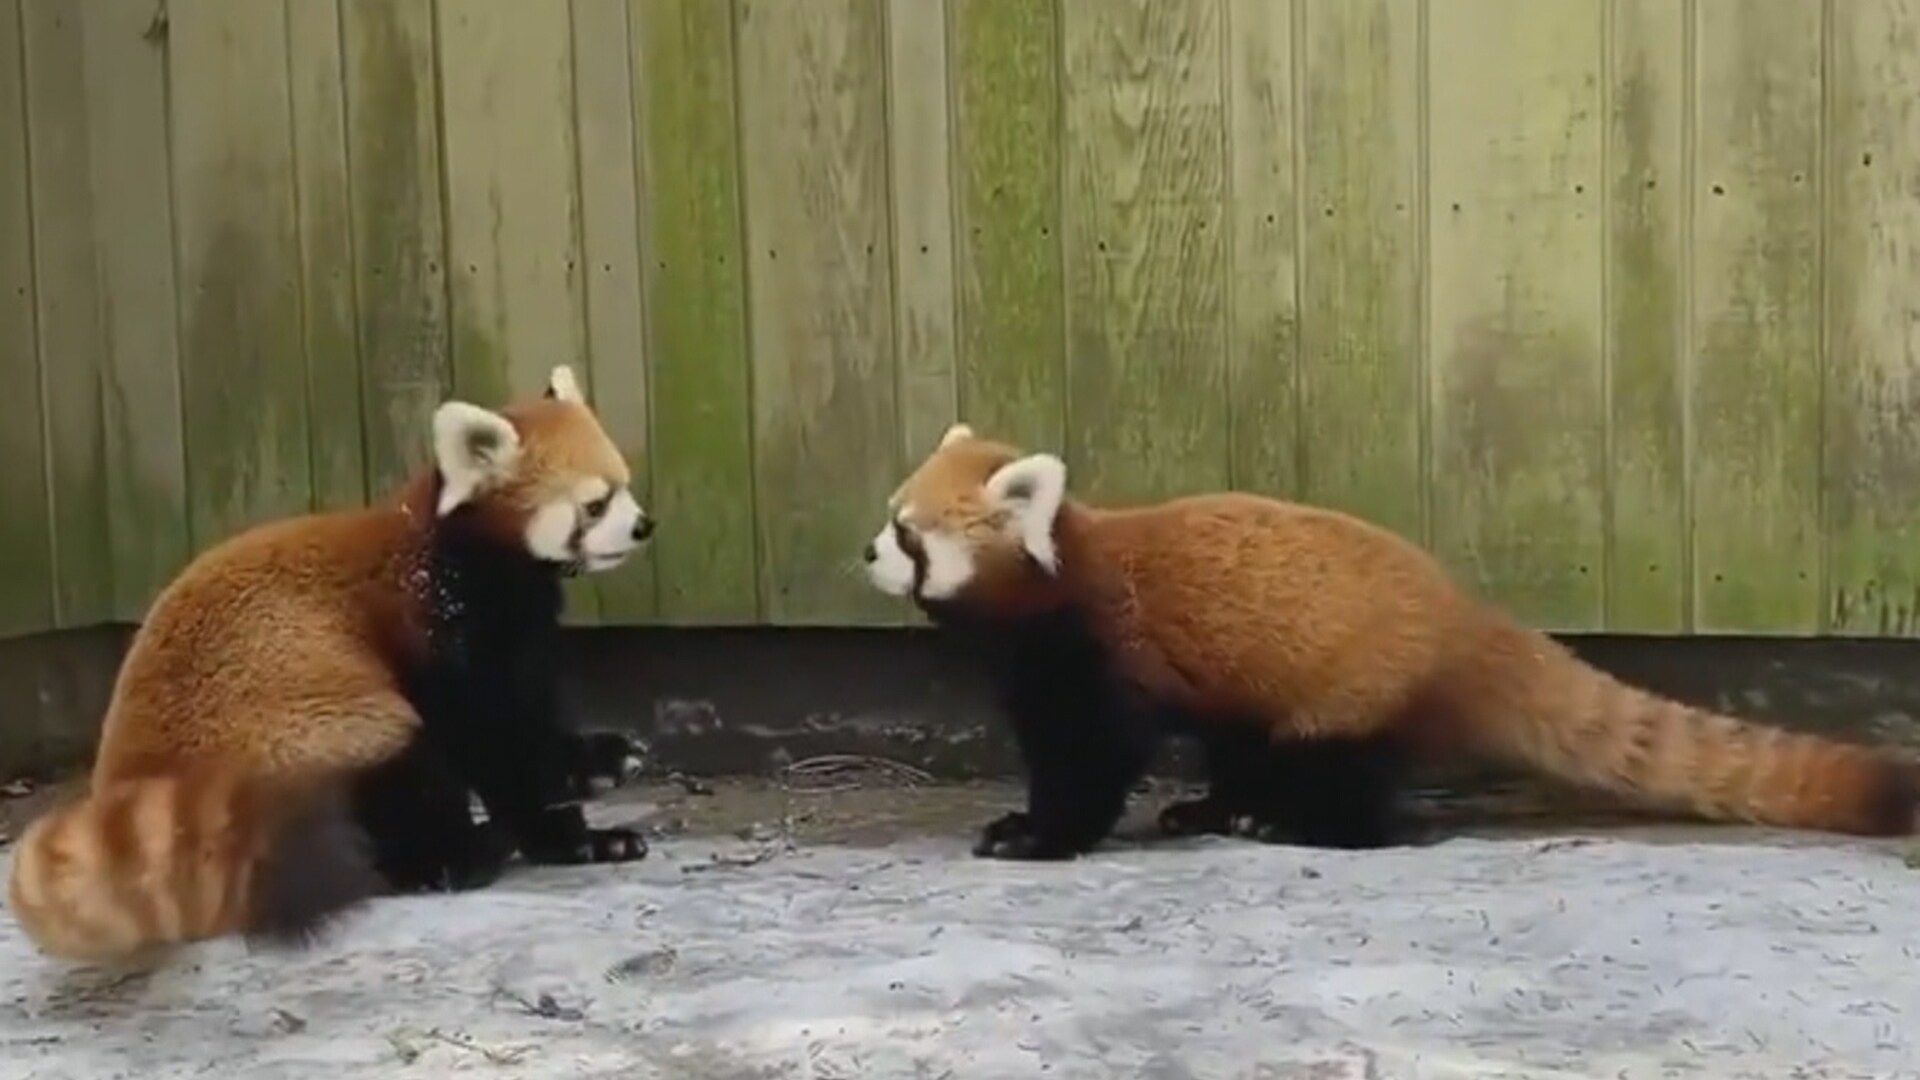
{"x":834,"y":926}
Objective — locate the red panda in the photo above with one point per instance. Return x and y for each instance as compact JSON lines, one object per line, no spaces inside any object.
{"x":1314,"y":654}
{"x":301,"y":717}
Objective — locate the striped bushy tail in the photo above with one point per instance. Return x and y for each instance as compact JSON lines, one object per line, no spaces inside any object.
{"x":1526,"y":697}
{"x":138,"y":865}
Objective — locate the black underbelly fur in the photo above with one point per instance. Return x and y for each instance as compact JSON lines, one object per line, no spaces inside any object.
{"x":1087,"y":736}
{"x":492,"y":726}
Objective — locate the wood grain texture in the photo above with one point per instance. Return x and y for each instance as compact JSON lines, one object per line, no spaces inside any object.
{"x":1514,"y":326}
{"x":694,"y":274}
{"x":145,"y":444}
{"x":243,"y":373}
{"x":1872,"y":420}
{"x":813,"y":116}
{"x":925,"y":296}
{"x":515,"y":287}
{"x":316,"y":70}
{"x":1007,"y":145}
{"x":72,"y":337}
{"x":399,"y":235}
{"x":1646,"y":539}
{"x":1362,"y":395}
{"x":1145,"y":245}
{"x":610,"y":252}
{"x":26,"y":527}
{"x":1263,"y":358}
{"x":1756,"y":326}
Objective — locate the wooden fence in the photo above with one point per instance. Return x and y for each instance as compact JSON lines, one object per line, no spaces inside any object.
{"x":1612,"y":302}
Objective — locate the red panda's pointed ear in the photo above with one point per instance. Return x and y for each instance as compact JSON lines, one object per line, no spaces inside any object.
{"x":955,"y":434}
{"x":1031,"y":491}
{"x":472,"y":447}
{"x":562,"y":386}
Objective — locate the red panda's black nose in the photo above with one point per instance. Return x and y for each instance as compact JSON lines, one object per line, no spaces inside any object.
{"x":642,"y":527}
{"x":869,"y":553}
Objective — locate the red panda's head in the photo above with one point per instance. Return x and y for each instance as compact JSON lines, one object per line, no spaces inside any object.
{"x":541,"y":475}
{"x":975,"y":520}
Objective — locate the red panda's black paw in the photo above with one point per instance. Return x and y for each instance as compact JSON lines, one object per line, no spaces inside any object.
{"x":1011,"y":836}
{"x":1196,"y":817}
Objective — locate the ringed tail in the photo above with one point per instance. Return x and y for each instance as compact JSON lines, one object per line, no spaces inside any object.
{"x":1529,"y":697}
{"x":142,"y":864}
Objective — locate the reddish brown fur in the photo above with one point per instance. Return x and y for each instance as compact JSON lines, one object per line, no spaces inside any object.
{"x":1234,"y":605}
{"x":268,"y":670}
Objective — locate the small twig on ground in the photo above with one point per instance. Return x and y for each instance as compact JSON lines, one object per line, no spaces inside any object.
{"x":827,"y":767}
{"x":16,"y":789}
{"x":752,"y":858}
{"x":403,"y":1044}
{"x":544,"y":1006}
{"x":692,"y":785}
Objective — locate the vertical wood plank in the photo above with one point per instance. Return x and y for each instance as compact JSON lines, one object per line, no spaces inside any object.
{"x":1515,"y":313}
{"x":1362,"y":397}
{"x":1873,"y":322}
{"x":610,"y":248}
{"x":813,"y":132}
{"x":316,"y":69}
{"x":513,"y":206}
{"x":127,"y":126}
{"x":1263,"y":360}
{"x":1646,"y":336}
{"x":512,"y":201}
{"x":1145,"y":244}
{"x":238,"y":243}
{"x":26,"y":527}
{"x":918,"y":136}
{"x":1007,"y":144}
{"x":399,"y":237}
{"x":1756,"y":329}
{"x":695,"y":284}
{"x":72,"y":338}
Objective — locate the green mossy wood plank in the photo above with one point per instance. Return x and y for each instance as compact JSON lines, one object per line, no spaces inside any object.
{"x":399,"y":237}
{"x":1646,"y":568}
{"x":1263,"y":359}
{"x":1007,"y":145}
{"x":1361,"y":398}
{"x":1756,"y":323}
{"x":26,"y":524}
{"x":1145,"y":239}
{"x":72,"y":338}
{"x":242,"y":346}
{"x":146,"y":475}
{"x":813,"y":129}
{"x":316,"y":69}
{"x":610,"y":247}
{"x":513,"y":206}
{"x":1872,"y":424}
{"x":1515,"y":315}
{"x":694,"y":276}
{"x":919,"y":138}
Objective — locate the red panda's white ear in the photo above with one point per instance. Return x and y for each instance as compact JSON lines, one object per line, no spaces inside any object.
{"x":472,"y":447}
{"x":1031,"y":490}
{"x":562,"y":385}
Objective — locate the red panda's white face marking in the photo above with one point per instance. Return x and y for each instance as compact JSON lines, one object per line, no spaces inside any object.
{"x":970,"y":503}
{"x":541,"y":473}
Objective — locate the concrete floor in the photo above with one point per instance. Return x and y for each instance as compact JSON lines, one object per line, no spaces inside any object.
{"x":834,"y":926}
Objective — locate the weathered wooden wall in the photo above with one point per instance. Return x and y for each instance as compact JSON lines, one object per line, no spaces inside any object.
{"x":1615,"y":303}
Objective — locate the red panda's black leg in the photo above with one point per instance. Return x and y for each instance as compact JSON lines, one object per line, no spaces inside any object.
{"x":417,"y":814}
{"x":1329,"y":792}
{"x":1083,"y":756}
{"x":1235,"y":764}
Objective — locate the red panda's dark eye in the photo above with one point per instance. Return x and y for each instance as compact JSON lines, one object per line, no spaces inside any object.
{"x":598,"y":507}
